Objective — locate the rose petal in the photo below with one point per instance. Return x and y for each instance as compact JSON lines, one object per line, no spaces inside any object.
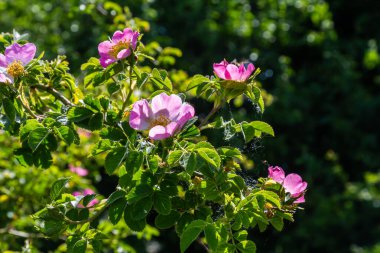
{"x":166,"y":105}
{"x":5,"y":79}
{"x":124,"y":54}
{"x":247,"y":72}
{"x":293,"y":184}
{"x":276,"y":173}
{"x":300,"y":200}
{"x":105,"y":61}
{"x":105,"y":47}
{"x":3,"y":61}
{"x":158,"y":133}
{"x":141,"y":115}
{"x":232,"y":72}
{"x":220,"y":69}
{"x":16,"y":52}
{"x":186,"y":112}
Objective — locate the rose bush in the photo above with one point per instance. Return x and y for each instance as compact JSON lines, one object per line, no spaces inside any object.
{"x":150,"y":139}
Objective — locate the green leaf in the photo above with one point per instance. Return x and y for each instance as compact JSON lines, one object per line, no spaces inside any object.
{"x":112,"y":133}
{"x":248,"y":131}
{"x":115,"y":158}
{"x":277,"y":223}
{"x":139,"y":192}
{"x":162,"y":202}
{"x":210,"y":156}
{"x":166,"y":221}
{"x":270,"y":196}
{"x":211,"y":236}
{"x":136,"y":225}
{"x":96,"y":121}
{"x":80,"y":246}
{"x":142,"y":79}
{"x":196,"y":81}
{"x":57,"y":187}
{"x":116,"y":210}
{"x":115,"y":196}
{"x":29,"y":126}
{"x":9,"y":109}
{"x":241,"y":235}
{"x":191,"y":165}
{"x":66,"y":134}
{"x":134,"y":161}
{"x":262,"y":127}
{"x":174,"y":156}
{"x":191,"y":233}
{"x":37,"y":137}
{"x":76,"y":114}
{"x":246,"y":246}
{"x":142,"y":208}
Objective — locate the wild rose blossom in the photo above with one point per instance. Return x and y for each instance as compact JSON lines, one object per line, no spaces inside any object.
{"x":85,"y":193}
{"x":78,"y":170}
{"x":163,"y":117}
{"x":119,"y":47}
{"x":14,"y":59}
{"x":292,"y":183}
{"x":230,"y":71}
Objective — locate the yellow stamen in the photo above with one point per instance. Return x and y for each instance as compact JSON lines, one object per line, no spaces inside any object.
{"x":15,"y":69}
{"x":118,"y":47}
{"x":161,"y":120}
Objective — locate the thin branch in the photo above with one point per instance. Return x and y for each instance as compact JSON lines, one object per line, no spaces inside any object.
{"x":27,"y":108}
{"x":55,"y":93}
{"x":23,"y":234}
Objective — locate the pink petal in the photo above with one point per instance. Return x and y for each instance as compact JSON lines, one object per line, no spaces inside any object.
{"x":300,"y":200}
{"x":247,"y":72}
{"x":88,"y":191}
{"x":76,"y":193}
{"x":159,"y":133}
{"x":105,"y":61}
{"x":140,"y":116}
{"x":220,"y":69}
{"x":123,"y":53}
{"x":232,"y":72}
{"x":105,"y":47}
{"x":276,"y":173}
{"x":134,"y":39}
{"x":186,"y":112}
{"x":171,"y":128}
{"x":294,"y":185}
{"x":5,"y":79}
{"x":166,"y":105}
{"x":117,"y":36}
{"x":16,"y":52}
{"x":78,"y":170}
{"x":3,"y":61}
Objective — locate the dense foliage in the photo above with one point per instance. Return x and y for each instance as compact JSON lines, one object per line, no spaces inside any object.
{"x":322,"y":71}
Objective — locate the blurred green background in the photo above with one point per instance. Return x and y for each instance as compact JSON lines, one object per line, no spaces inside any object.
{"x":321,"y":69}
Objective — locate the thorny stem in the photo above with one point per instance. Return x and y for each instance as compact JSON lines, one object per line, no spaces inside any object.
{"x":27,"y":108}
{"x":89,"y":219}
{"x":126,"y":101}
{"x":55,"y":93}
{"x":15,"y":232}
{"x":212,"y":112}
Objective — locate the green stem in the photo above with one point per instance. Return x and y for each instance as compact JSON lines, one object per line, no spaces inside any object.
{"x":92,"y":218}
{"x":129,"y":94}
{"x":212,"y":112}
{"x":55,"y":93}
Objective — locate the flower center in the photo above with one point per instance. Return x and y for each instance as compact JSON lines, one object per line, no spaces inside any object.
{"x":15,"y":69}
{"x":161,"y":120}
{"x":115,"y":49}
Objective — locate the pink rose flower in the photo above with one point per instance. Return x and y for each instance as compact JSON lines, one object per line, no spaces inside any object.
{"x":85,"y":193}
{"x":14,"y":59}
{"x":163,"y":117}
{"x":229,"y":71}
{"x":78,"y":170}
{"x":119,"y":47}
{"x":292,"y":183}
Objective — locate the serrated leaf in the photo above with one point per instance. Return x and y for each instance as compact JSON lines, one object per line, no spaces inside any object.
{"x":9,"y":109}
{"x":166,"y":221}
{"x":277,"y":223}
{"x":210,"y":156}
{"x":76,"y":114}
{"x":191,"y":233}
{"x":142,"y":208}
{"x":262,"y":127}
{"x":116,"y":210}
{"x":135,"y":225}
{"x":162,"y":202}
{"x":115,"y":158}
{"x":57,"y":187}
{"x":174,"y":157}
{"x":211,"y":236}
{"x":37,"y":137}
{"x":196,"y":81}
{"x":247,"y":246}
{"x":80,"y":246}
